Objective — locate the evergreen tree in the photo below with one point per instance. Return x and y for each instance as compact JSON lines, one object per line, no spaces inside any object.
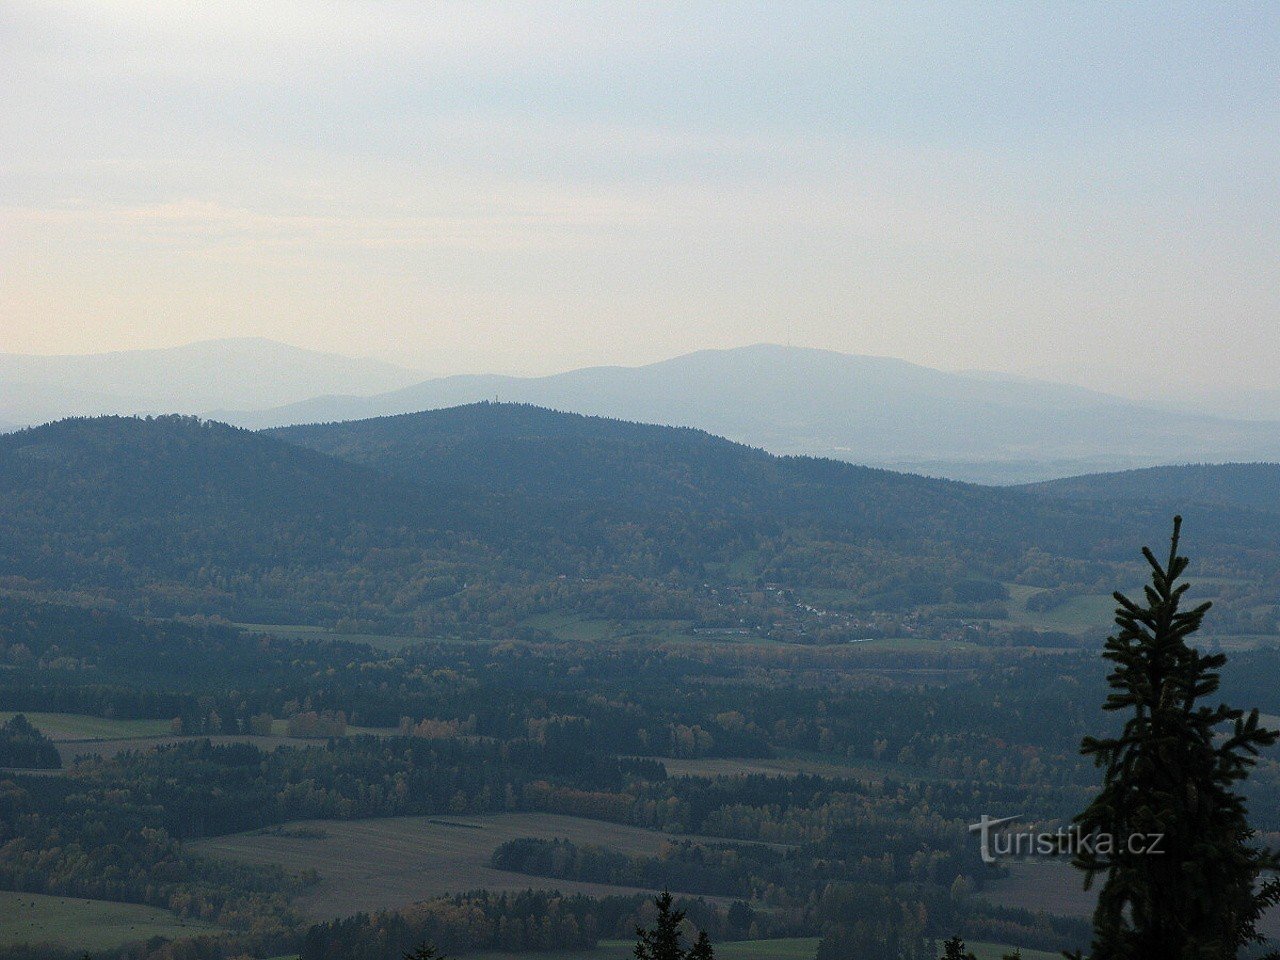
{"x":424,"y":951}
{"x":701,"y":949}
{"x":1170,"y":773}
{"x":663,"y":940}
{"x":953,"y":949}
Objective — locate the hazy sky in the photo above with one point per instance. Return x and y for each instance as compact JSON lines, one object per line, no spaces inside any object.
{"x":1072,"y":190}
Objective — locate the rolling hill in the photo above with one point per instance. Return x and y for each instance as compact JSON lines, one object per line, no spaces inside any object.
{"x":1254,"y":486}
{"x":870,"y":410}
{"x":173,"y":514}
{"x":487,"y":514}
{"x":680,"y":472}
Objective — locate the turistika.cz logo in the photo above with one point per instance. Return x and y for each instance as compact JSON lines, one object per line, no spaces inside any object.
{"x":997,"y":842}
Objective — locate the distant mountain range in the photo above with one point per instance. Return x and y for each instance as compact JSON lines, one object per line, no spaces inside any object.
{"x":872,"y":410}
{"x":249,"y":373}
{"x":1240,"y":404}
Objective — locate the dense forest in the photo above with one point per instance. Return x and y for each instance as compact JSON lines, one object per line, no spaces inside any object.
{"x":23,"y":746}
{"x":473,"y":520}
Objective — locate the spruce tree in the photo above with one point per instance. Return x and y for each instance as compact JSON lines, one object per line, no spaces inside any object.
{"x":1171,"y":772}
{"x":663,"y":940}
{"x":701,"y":949}
{"x":953,"y":949}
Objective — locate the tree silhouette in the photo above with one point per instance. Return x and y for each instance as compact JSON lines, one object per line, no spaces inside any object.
{"x":1170,"y":775}
{"x":662,"y":941}
{"x":701,"y":949}
{"x":953,"y":949}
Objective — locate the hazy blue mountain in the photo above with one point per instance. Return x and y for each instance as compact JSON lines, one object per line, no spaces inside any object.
{"x":1252,"y":485}
{"x":249,"y":373}
{"x":1263,"y":404}
{"x":870,"y":410}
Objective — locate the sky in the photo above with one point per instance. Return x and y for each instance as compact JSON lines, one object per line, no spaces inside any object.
{"x":1082,"y":192}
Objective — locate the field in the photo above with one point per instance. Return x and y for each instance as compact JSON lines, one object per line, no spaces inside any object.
{"x":373,"y":864}
{"x":71,"y":749}
{"x":1054,"y":886}
{"x":302,"y":631}
{"x":585,"y":630}
{"x":778,"y":766}
{"x":75,"y":726}
{"x":1076,"y":615}
{"x":994,"y":951}
{"x":797,"y":948}
{"x":86,"y":924}
{"x":800,"y":948}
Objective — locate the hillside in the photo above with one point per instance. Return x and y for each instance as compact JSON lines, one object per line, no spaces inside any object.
{"x":699,"y":478}
{"x":686,"y":473}
{"x":871,"y":410}
{"x":1255,"y":486}
{"x":482,"y":516}
{"x":178,"y":515}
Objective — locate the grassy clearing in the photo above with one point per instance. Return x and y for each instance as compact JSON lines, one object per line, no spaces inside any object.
{"x":75,"y":726}
{"x":1077,"y":615}
{"x":799,"y":948}
{"x":376,"y":864}
{"x":71,"y":749}
{"x":1051,"y":886}
{"x":579,"y":629}
{"x":994,"y":951}
{"x":776,"y":766}
{"x":912,"y":644}
{"x":1238,"y":642}
{"x":584,"y":630}
{"x":86,"y":924}
{"x":280,"y":728}
{"x":796,"y":948}
{"x":1054,"y":886}
{"x":302,"y":631}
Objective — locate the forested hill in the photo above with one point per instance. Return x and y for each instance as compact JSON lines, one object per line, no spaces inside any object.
{"x":488,"y":514}
{"x":1255,"y":486}
{"x":518,"y":448}
{"x":175,"y":515}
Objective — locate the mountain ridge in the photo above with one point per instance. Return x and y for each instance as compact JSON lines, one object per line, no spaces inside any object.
{"x":874,"y":410}
{"x":882,"y":411}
